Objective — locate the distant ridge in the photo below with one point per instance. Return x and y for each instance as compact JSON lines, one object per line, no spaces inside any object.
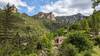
{"x":70,"y":19}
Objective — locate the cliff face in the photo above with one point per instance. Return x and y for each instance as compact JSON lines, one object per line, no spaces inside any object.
{"x":49,"y":16}
{"x":70,"y":19}
{"x":12,"y":8}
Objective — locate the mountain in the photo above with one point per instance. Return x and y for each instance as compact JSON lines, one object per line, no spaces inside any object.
{"x":70,"y":19}
{"x":49,"y":16}
{"x":60,"y":19}
{"x":53,"y":22}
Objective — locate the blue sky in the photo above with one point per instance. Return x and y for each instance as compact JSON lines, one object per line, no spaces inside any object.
{"x":37,"y":4}
{"x":58,"y":7}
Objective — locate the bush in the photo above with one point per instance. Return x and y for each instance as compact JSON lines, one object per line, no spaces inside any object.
{"x":97,"y":40}
{"x":68,"y":50}
{"x":80,"y":40}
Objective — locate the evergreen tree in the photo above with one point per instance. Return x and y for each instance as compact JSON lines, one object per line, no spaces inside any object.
{"x":95,"y":20}
{"x":84,"y":25}
{"x":6,"y":24}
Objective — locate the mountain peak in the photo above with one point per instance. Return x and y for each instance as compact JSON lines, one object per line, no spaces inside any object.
{"x":70,"y":19}
{"x":46,"y":15}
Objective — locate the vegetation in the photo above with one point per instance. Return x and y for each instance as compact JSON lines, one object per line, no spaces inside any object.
{"x":21,"y":35}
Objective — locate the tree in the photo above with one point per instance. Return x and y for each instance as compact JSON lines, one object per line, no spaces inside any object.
{"x":80,"y":40}
{"x":84,"y":25}
{"x":68,"y":50}
{"x":6,"y":25}
{"x":95,"y":3}
{"x":97,"y":40}
{"x":94,"y":18}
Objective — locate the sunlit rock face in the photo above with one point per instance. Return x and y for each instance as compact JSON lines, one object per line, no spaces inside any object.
{"x":13,"y":9}
{"x":46,"y":15}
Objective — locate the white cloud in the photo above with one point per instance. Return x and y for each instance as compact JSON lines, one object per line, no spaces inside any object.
{"x":87,"y":12}
{"x":17,"y":3}
{"x":69,"y":7}
{"x":30,"y":8}
{"x":97,"y":7}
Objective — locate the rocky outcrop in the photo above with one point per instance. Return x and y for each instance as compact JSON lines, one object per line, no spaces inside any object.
{"x":13,"y":9}
{"x":49,"y":16}
{"x":10,"y":8}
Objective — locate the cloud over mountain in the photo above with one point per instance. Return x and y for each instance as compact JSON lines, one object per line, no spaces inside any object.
{"x":58,"y":7}
{"x":69,"y":7}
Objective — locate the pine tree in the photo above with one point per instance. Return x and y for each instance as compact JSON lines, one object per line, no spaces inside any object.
{"x":6,"y":24}
{"x":95,"y":20}
{"x":85,"y":25}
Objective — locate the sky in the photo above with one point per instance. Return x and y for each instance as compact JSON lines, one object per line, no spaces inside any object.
{"x":58,"y":7}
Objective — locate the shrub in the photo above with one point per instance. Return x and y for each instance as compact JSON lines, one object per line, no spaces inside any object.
{"x":68,"y":50}
{"x":80,"y":40}
{"x":97,"y":40}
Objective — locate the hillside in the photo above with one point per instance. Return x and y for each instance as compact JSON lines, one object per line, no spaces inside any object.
{"x":18,"y":31}
{"x":40,"y":35}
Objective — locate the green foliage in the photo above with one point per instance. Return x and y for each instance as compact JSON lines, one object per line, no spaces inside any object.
{"x":30,"y":36}
{"x":85,"y":25}
{"x":80,"y":40}
{"x":97,"y":40}
{"x":95,"y":23}
{"x":61,"y":32}
{"x":68,"y":50}
{"x":75,"y":26}
{"x":85,"y":53}
{"x":81,"y":25}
